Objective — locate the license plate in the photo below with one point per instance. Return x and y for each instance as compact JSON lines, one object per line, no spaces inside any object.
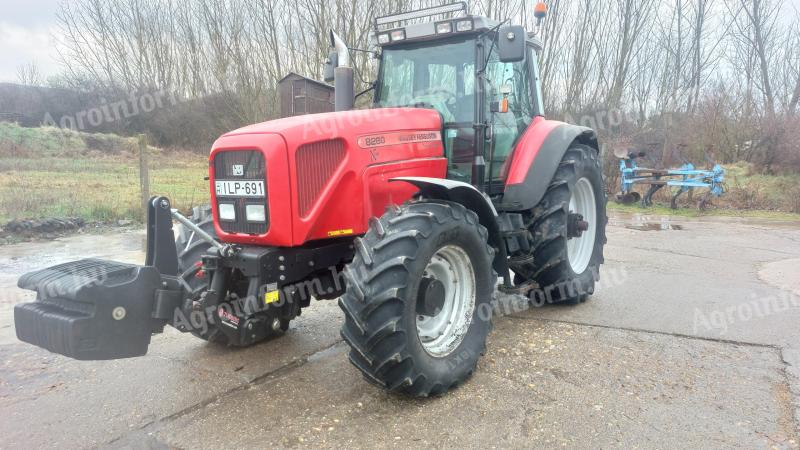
{"x":240,"y":188}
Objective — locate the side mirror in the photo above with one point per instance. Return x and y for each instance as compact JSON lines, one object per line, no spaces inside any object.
{"x":331,"y":63}
{"x":511,"y":43}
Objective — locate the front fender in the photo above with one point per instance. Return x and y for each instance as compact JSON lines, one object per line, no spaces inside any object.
{"x":536,"y":158}
{"x":472,"y":199}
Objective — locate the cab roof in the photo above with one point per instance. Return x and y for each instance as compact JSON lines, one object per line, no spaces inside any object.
{"x":424,"y":25}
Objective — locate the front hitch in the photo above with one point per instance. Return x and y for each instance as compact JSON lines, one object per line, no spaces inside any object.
{"x":95,"y":309}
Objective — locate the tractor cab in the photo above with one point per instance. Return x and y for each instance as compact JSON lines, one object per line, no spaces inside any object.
{"x":481,"y":76}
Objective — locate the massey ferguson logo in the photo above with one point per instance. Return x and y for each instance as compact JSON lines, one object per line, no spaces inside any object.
{"x":238,"y":170}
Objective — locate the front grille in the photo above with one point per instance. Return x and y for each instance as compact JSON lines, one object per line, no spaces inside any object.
{"x":254,"y":169}
{"x":316,"y":163}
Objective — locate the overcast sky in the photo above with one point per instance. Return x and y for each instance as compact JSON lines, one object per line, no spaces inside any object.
{"x":27,"y":28}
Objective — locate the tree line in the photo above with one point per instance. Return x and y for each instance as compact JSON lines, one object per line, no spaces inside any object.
{"x":719,"y":77}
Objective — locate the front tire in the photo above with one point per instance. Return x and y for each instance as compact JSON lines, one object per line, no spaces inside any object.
{"x":191,"y":249}
{"x":417,"y":307}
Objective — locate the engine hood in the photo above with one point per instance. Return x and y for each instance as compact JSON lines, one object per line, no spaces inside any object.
{"x":327,"y":174}
{"x":346,"y":124}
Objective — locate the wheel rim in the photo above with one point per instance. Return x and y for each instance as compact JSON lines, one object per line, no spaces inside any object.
{"x":442,"y":333}
{"x":580,"y":248}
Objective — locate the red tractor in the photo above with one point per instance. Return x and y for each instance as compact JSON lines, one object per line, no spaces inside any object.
{"x":407,"y":212}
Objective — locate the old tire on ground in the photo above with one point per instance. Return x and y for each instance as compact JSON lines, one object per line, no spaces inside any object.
{"x":565,"y":266}
{"x":401,"y":339}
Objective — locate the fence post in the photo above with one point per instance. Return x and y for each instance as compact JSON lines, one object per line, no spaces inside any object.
{"x":144,"y":172}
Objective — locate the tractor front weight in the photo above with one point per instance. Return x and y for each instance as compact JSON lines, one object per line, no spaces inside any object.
{"x":96,"y":309}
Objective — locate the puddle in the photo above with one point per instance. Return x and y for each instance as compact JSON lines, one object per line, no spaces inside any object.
{"x":17,"y":259}
{"x":649,"y":226}
{"x":645,"y":223}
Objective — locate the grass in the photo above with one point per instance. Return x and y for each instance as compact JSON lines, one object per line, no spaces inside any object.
{"x":660,"y":210}
{"x":16,"y":141}
{"x":49,"y":172}
{"x":748,"y":194}
{"x":749,"y":190}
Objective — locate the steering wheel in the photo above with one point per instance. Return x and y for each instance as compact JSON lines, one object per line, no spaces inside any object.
{"x":444,"y":96}
{"x":425,"y":105}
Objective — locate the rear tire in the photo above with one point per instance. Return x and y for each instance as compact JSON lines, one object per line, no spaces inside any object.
{"x":565,"y":267}
{"x":397,"y":340}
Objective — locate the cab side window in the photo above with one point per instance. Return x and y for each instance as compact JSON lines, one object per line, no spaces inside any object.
{"x":511,"y":81}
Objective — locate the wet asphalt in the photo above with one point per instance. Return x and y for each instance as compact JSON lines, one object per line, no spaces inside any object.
{"x":691,"y":340}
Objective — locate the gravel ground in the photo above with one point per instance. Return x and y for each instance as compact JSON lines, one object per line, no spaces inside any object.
{"x":690,"y":341}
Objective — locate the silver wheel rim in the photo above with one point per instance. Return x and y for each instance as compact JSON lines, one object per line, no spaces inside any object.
{"x":580,"y":249}
{"x":442,"y":333}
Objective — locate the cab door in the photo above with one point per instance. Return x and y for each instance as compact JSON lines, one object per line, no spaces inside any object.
{"x":513,"y":82}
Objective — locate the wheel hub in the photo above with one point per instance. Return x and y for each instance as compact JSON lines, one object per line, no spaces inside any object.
{"x":430,"y":298}
{"x":446,"y":301}
{"x":576,"y":225}
{"x":581,"y":225}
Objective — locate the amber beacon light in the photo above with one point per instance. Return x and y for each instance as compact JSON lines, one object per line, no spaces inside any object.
{"x":540,"y":11}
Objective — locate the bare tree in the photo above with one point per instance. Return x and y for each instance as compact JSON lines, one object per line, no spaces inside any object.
{"x":758,"y":35}
{"x":731,"y":65}
{"x":28,"y":74}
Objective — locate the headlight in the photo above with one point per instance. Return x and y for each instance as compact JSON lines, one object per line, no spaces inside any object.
{"x":255,"y":213}
{"x":464,"y":25}
{"x":444,"y":27}
{"x":398,"y":35}
{"x":383,"y":38}
{"x":227,"y":212}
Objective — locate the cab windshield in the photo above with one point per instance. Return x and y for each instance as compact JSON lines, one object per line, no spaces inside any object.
{"x":438,"y":76}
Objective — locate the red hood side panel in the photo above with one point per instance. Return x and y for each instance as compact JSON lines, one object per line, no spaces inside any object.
{"x":375,"y":142}
{"x":378,"y":144}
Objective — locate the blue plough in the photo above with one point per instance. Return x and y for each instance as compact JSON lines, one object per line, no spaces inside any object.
{"x":685,"y":179}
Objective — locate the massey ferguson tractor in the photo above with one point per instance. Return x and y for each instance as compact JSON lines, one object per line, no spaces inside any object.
{"x":411,"y":213}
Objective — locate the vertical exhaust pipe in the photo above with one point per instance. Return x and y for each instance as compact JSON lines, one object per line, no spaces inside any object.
{"x":343,"y":82}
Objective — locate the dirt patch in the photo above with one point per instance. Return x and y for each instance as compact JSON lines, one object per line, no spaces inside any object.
{"x":26,"y":230}
{"x":786,"y":418}
{"x":784,"y":274}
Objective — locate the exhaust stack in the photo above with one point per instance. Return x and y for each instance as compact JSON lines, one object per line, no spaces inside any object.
{"x":343,"y":83}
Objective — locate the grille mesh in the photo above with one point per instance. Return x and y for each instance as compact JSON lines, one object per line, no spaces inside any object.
{"x":254,"y":169}
{"x":316,"y":163}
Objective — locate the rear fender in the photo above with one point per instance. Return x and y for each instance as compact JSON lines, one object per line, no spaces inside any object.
{"x":472,"y":199}
{"x":536,"y":159}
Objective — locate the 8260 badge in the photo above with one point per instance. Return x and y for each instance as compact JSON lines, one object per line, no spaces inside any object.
{"x":399,"y":138}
